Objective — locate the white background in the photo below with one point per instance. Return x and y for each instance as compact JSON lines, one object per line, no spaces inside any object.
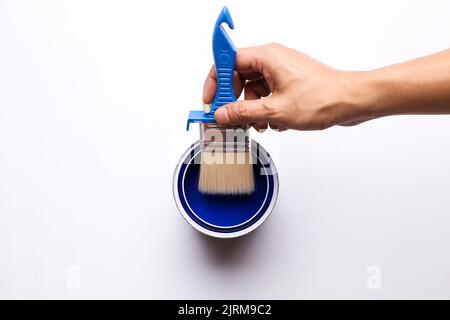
{"x":93,"y":103}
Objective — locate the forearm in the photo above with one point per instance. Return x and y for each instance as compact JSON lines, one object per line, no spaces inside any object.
{"x":420,"y":86}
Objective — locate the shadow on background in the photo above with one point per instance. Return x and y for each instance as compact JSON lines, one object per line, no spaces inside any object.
{"x":229,"y":252}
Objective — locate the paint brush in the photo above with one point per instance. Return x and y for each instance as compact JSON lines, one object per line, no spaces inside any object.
{"x":226,"y":159}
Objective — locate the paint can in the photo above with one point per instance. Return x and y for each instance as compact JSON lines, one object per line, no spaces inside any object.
{"x":225,"y":216}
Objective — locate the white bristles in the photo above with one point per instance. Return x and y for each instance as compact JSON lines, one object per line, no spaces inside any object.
{"x":226,"y":173}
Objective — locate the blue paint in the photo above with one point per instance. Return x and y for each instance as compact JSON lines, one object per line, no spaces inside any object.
{"x":223,"y":213}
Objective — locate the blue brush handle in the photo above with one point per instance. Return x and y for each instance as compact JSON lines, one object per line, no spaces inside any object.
{"x":225,"y":60}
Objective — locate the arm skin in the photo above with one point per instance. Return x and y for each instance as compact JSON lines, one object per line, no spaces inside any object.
{"x":287,"y":89}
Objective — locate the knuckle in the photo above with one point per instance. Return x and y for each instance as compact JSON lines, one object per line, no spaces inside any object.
{"x":269,"y":108}
{"x":274,"y":45}
{"x":240,"y":112}
{"x":273,"y":110}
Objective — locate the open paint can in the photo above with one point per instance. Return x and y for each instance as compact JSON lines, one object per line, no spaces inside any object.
{"x":225,"y":216}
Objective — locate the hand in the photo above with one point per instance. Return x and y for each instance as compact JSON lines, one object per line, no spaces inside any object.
{"x":287,"y":89}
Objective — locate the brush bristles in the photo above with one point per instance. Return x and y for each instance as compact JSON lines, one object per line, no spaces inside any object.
{"x":226,"y":173}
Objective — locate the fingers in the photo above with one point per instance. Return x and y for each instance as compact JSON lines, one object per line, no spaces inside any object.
{"x":255,"y":89}
{"x":248,"y":67}
{"x":250,"y":60}
{"x":245,"y":111}
{"x":210,"y":85}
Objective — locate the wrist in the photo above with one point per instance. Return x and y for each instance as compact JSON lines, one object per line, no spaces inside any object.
{"x":366,"y":95}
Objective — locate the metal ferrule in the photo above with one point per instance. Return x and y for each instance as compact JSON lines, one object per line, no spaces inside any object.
{"x":220,"y":138}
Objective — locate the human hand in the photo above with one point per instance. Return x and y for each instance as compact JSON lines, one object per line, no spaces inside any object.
{"x":287,"y":89}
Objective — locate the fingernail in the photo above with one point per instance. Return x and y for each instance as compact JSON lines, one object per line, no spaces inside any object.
{"x":206,"y":107}
{"x":221,"y":115}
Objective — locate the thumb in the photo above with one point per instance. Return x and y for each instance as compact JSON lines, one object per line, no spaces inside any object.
{"x":245,"y":111}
